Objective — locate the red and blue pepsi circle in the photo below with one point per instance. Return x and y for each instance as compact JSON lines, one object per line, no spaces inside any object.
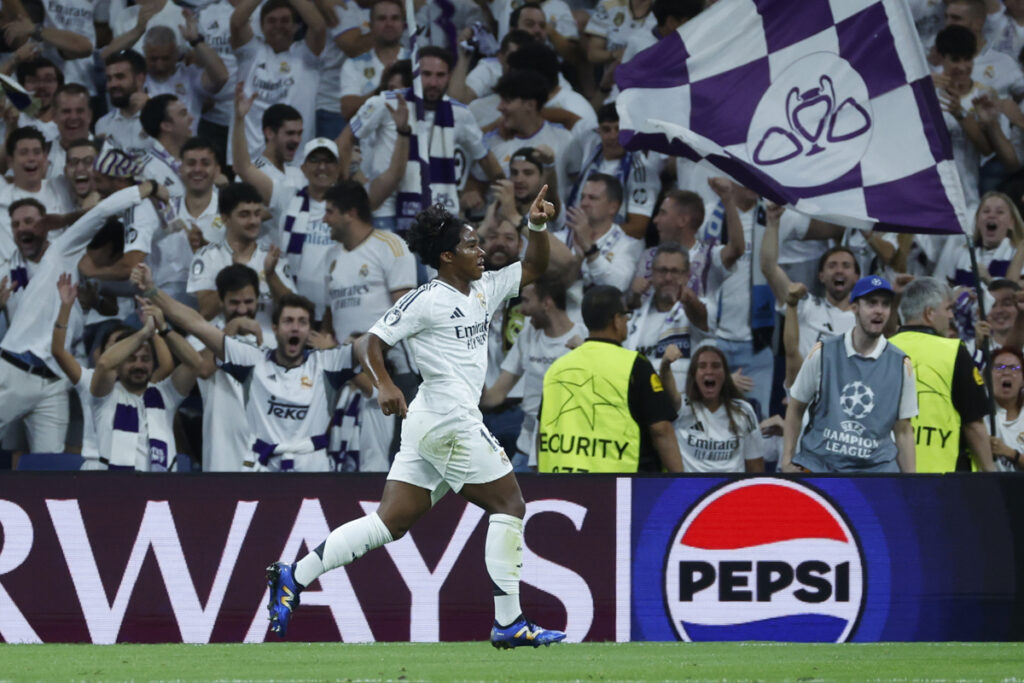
{"x":764,"y":559}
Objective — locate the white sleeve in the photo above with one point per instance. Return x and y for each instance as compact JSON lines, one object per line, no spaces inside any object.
{"x":479,"y":80}
{"x":644,"y":185}
{"x":401,"y":273}
{"x":284,"y":275}
{"x":514,"y":359}
{"x":351,"y":80}
{"x":805,"y":386}
{"x":201,"y":274}
{"x":753,"y":441}
{"x":142,"y":228}
{"x":172,"y":399}
{"x":337,"y":359}
{"x":618,"y":272}
{"x":369,"y":115}
{"x":908,"y":395}
{"x":406,"y":318}
{"x":501,"y":285}
{"x":600,"y":23}
{"x":239,"y":353}
{"x":469,"y":134}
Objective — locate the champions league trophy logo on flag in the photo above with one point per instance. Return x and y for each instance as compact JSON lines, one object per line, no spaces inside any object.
{"x":826,"y":106}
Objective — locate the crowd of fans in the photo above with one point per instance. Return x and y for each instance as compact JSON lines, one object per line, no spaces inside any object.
{"x":257,"y":165}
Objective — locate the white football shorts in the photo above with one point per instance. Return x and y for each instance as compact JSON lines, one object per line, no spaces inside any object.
{"x":455,"y":448}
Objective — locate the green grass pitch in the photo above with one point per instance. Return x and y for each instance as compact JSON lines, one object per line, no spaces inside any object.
{"x":479,"y":662}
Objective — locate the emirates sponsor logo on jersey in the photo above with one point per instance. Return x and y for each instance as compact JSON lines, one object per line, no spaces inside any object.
{"x":475,"y":335}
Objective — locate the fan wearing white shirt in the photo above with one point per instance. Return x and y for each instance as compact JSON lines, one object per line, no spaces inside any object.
{"x":369,"y":271}
{"x":73,"y":116}
{"x":468,"y":86}
{"x":671,"y":314}
{"x":168,"y":123}
{"x":361,"y":75}
{"x":30,"y":386}
{"x":167,"y":73}
{"x":819,"y":317}
{"x":290,"y":391}
{"x":564,"y":105}
{"x":608,"y":256}
{"x":599,"y":151}
{"x":126,"y":83}
{"x":297,"y":213}
{"x":226,"y":439}
{"x":458,"y":143}
{"x":26,"y":155}
{"x":134,"y":417}
{"x":717,"y":430}
{"x":41,"y":77}
{"x":241,"y":209}
{"x":549,"y":336}
{"x":30,"y":241}
{"x":282,"y":133}
{"x":523,"y":94}
{"x":277,"y":68}
{"x":444,"y":441}
{"x":197,"y":208}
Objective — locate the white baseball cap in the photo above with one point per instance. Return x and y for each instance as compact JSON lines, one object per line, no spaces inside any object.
{"x":319,"y":143}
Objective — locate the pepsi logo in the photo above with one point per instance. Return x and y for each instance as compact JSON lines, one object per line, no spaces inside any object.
{"x":764,"y":559}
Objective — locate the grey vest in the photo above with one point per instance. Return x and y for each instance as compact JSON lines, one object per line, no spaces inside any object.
{"x":851,"y":419}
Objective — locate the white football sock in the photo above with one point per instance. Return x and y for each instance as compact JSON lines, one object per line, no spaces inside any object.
{"x":348,"y":542}
{"x":503,"y":555}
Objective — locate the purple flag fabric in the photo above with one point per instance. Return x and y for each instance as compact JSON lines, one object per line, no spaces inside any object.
{"x":826,"y":106}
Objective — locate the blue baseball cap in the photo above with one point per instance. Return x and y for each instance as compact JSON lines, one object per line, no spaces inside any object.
{"x":869,"y":284}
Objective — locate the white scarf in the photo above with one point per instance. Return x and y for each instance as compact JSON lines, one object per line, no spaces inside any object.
{"x":430,"y":174}
{"x":154,"y":420}
{"x":296,"y":224}
{"x":345,"y":430}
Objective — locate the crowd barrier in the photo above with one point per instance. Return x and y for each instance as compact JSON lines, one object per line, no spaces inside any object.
{"x":119,"y":557}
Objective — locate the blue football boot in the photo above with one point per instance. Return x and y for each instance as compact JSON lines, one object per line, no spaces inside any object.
{"x":284,"y":596}
{"x":523,"y":632}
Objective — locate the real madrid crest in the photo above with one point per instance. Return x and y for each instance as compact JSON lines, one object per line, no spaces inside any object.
{"x":364,"y":270}
{"x":286,"y":67}
{"x":619,"y":19}
{"x":369,"y":72}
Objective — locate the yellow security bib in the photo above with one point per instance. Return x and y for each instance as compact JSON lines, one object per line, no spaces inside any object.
{"x":937,"y":425}
{"x":585,"y":424}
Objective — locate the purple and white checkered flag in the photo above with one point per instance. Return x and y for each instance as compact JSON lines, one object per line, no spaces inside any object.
{"x":823,"y":105}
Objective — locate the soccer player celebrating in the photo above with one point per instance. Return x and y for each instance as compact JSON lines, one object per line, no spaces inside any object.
{"x":444,"y":441}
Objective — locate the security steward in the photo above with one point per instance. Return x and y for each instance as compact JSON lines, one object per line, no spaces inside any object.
{"x":603,"y":408}
{"x":950,"y":391}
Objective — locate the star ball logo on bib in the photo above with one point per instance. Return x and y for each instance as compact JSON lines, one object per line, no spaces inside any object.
{"x":813,"y":123}
{"x":764,"y":559}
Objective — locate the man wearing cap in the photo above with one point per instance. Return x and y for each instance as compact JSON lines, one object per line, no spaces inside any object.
{"x":297,"y":213}
{"x":861,"y":394}
{"x":950,"y":389}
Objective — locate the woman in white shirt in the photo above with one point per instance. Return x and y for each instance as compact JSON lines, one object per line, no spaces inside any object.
{"x":998,"y":234}
{"x":1007,"y":387}
{"x":717,"y":430}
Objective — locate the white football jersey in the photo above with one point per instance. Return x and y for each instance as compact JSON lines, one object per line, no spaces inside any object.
{"x":125,"y":132}
{"x":708,"y":445}
{"x":360,"y":282}
{"x":226,"y":439}
{"x":282,"y":404}
{"x":820,"y":320}
{"x":446,"y":333}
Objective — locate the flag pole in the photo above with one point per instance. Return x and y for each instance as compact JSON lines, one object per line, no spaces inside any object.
{"x":985,"y":345}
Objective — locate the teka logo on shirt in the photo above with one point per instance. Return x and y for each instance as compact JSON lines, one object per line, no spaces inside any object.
{"x":764,"y":559}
